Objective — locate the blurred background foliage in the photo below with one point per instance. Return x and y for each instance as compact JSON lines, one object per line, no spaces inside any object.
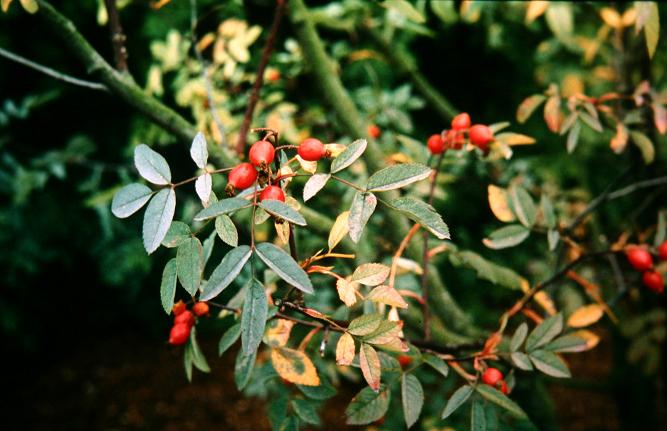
{"x":74,"y":276}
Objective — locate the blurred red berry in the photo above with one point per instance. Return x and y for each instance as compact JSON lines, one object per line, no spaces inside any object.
{"x":480,"y":136}
{"x":435,"y":144}
{"x":178,"y":308}
{"x":662,"y":251}
{"x":654,"y":281}
{"x":312,"y":149}
{"x":185,"y":317}
{"x":455,"y":140}
{"x":242,"y":176}
{"x":179,"y":334}
{"x":200,"y":309}
{"x":374,"y":131}
{"x":272,"y":75}
{"x":261,"y":152}
{"x":404,"y":360}
{"x":461,"y":121}
{"x":272,"y":192}
{"x":639,"y":258}
{"x":503,"y":388}
{"x":492,"y":376}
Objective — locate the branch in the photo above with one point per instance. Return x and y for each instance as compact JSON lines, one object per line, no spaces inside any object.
{"x":117,"y":36}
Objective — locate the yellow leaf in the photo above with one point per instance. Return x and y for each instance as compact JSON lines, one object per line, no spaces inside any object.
{"x":338,"y":231}
{"x":387,"y":295}
{"x":498,"y":201}
{"x":515,"y":139}
{"x":369,"y":361}
{"x":395,"y":345}
{"x":591,"y":338}
{"x":611,"y":17}
{"x":585,"y":316}
{"x":294,"y":366}
{"x":629,"y":17}
{"x":347,"y":291}
{"x":277,"y":332}
{"x":307,"y":166}
{"x":5,"y":4}
{"x":408,"y":265}
{"x":385,"y":333}
{"x":535,"y":9}
{"x":620,"y":139}
{"x":545,"y":301}
{"x":371,"y":274}
{"x":282,"y":229}
{"x":552,"y":113}
{"x":30,"y":6}
{"x":345,"y":349}
{"x":205,"y":41}
{"x":335,"y":149}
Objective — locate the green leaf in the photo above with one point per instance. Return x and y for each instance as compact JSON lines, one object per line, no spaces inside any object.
{"x":412,"y":396}
{"x":648,"y":18}
{"x":498,"y":398}
{"x":548,"y":212}
{"x":322,"y":392}
{"x":314,"y":185}
{"x":226,"y":230}
{"x":521,"y":360}
{"x":445,"y":10}
{"x":486,"y":270}
{"x":361,"y":210}
{"x":198,"y":150}
{"x":549,"y":363}
{"x":523,"y":205}
{"x":477,"y":416}
{"x":573,"y":137}
{"x":661,"y":229}
{"x":177,"y":234}
{"x":422,"y":213}
{"x":229,"y":338}
{"x":283,"y":265}
{"x":157,"y":218}
{"x":306,"y":411}
{"x":519,"y":337}
{"x":370,"y":366}
{"x":545,"y":332}
{"x":365,"y":324}
{"x":230,"y":267}
{"x":567,"y":343}
{"x":436,"y":363}
{"x":349,"y":155}
{"x":459,"y":397}
{"x":243,"y":368}
{"x":645,"y":146}
{"x":552,"y":239}
{"x":189,"y":264}
{"x":224,"y":206}
{"x":208,"y":247}
{"x":130,"y":199}
{"x":168,"y":286}
{"x":151,"y":165}
{"x":368,"y":406}
{"x":397,"y":176}
{"x":560,"y":20}
{"x":187,"y":361}
{"x":253,"y":318}
{"x":291,"y":423}
{"x":282,"y":210}
{"x":505,"y":237}
{"x":405,"y":8}
{"x":198,"y":358}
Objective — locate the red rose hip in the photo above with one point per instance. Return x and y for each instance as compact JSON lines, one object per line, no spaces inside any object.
{"x":242,"y":176}
{"x":480,"y":136}
{"x":436,"y":144}
{"x":261,"y":152}
{"x":654,"y":281}
{"x":404,"y":360}
{"x":272,"y":192}
{"x":178,"y":308}
{"x":455,"y":139}
{"x":461,"y":121}
{"x":492,"y":376}
{"x":185,"y":317}
{"x":179,"y":334}
{"x":503,"y":388}
{"x":311,"y":149}
{"x":662,"y":251}
{"x":639,"y":258}
{"x":374,"y":131}
{"x":200,"y":309}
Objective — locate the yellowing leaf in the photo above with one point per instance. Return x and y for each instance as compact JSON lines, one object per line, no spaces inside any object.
{"x":585,"y":316}
{"x":278,"y":332}
{"x":552,"y":113}
{"x":5,"y":4}
{"x":498,"y":201}
{"x":535,"y":9}
{"x":335,"y":149}
{"x":545,"y":301}
{"x":369,"y":361}
{"x":512,"y":139}
{"x":371,"y":274}
{"x":347,"y":291}
{"x":294,"y":366}
{"x":592,"y":339}
{"x":30,"y":6}
{"x":408,"y":265}
{"x":345,"y":349}
{"x":387,"y":295}
{"x":282,"y":229}
{"x":629,"y":17}
{"x":620,"y":139}
{"x":307,"y":166}
{"x":611,"y":17}
{"x":649,"y":20}
{"x":528,"y":106}
{"x":340,"y":228}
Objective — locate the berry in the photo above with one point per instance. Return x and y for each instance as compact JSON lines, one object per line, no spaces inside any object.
{"x":461,"y":121}
{"x":272,"y":75}
{"x":492,"y":376}
{"x":242,"y":176}
{"x":312,"y":149}
{"x":503,"y":387}
{"x":455,"y":139}
{"x":662,"y":251}
{"x":654,"y":281}
{"x":261,"y":152}
{"x":480,"y":136}
{"x":639,"y":258}
{"x":178,"y":308}
{"x":179,"y":334}
{"x":185,"y":317}
{"x":435,"y":144}
{"x":404,"y":360}
{"x":374,"y":131}
{"x":272,"y":192}
{"x":200,"y":309}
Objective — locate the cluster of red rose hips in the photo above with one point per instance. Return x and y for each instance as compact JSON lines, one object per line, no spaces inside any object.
{"x":642,"y":260}
{"x":184,"y":320}
{"x":494,"y":377}
{"x":479,"y":135}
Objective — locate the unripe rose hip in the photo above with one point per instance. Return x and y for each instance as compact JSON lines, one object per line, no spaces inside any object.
{"x":480,"y":136}
{"x":200,"y":309}
{"x":461,"y":121}
{"x":312,"y":149}
{"x":435,"y":144}
{"x":179,"y":334}
{"x":639,"y":258}
{"x":242,"y":176}
{"x":178,"y":308}
{"x":654,"y":281}
{"x":374,"y":131}
{"x":185,"y":317}
{"x":492,"y":376}
{"x":662,"y":251}
{"x":261,"y":152}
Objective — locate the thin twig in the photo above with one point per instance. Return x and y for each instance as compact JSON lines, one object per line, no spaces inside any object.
{"x":51,"y":72}
{"x":117,"y":36}
{"x":637,"y":186}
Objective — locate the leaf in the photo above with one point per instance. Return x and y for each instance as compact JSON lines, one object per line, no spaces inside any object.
{"x":560,"y":20}
{"x":253,"y":318}
{"x":550,"y":364}
{"x":314,"y":185}
{"x":386,"y":333}
{"x":347,"y":291}
{"x":189,"y":264}
{"x":459,"y":397}
{"x":545,"y":332}
{"x":574,"y":342}
{"x":521,"y":360}
{"x":224,"y":206}
{"x":371,"y":274}
{"x":30,"y":6}
{"x":499,"y":203}
{"x":518,"y":337}
{"x":198,"y":151}
{"x":370,"y":366}
{"x":226,"y":230}
{"x":361,"y":210}
{"x":648,"y":18}
{"x":495,"y":396}
{"x":591,"y":121}
{"x":345,"y":349}
{"x":552,"y":238}
{"x":322,"y":392}
{"x":387,"y":295}
{"x":548,"y":213}
{"x":487,"y":270}
{"x":229,"y":338}
{"x":573,"y":137}
{"x":203,"y":186}
{"x":477,"y":416}
{"x":508,"y":236}
{"x":230,"y":267}
{"x":339,"y":229}
{"x":620,"y":139}
{"x":151,"y":165}
{"x":281,"y":210}
{"x":585,"y":316}
{"x":157,"y":218}
{"x":168,"y":286}
{"x":198,"y":358}
{"x":365,"y":324}
{"x":445,"y":11}
{"x":412,"y":396}
{"x":523,"y":205}
{"x":529,"y":105}
{"x":130,"y":199}
{"x":347,"y":157}
{"x":283,"y":265}
{"x":405,"y":8}
{"x":512,"y":139}
{"x":397,"y":176}
{"x":436,"y":363}
{"x":367,"y":406}
{"x":177,"y":234}
{"x":660,"y":117}
{"x":422,"y":213}
{"x":552,"y":114}
{"x":294,"y":366}
{"x":535,"y":9}
{"x":306,"y":411}
{"x":645,"y":146}
{"x":243,"y":368}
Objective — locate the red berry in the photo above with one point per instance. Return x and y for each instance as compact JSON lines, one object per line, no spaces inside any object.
{"x":461,"y":121}
{"x":662,"y":251}
{"x":179,"y":334}
{"x":503,"y":387}
{"x":272,"y":192}
{"x":492,"y":376}
{"x":185,"y":317}
{"x":480,"y":136}
{"x":178,"y":308}
{"x":200,"y":309}
{"x":242,"y":176}
{"x":639,"y":258}
{"x":435,"y":144}
{"x":312,"y":149}
{"x":272,"y":75}
{"x":261,"y":152}
{"x":374,"y":131}
{"x":654,"y":281}
{"x":455,"y":139}
{"x":404,"y":360}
